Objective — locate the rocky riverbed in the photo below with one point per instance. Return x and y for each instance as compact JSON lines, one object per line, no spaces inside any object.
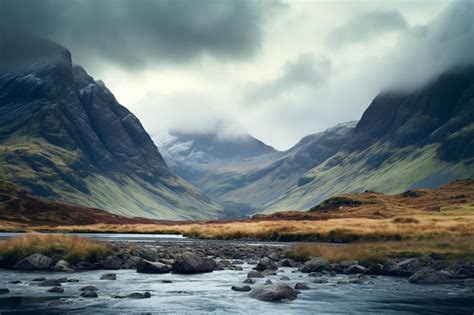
{"x":219,"y":277}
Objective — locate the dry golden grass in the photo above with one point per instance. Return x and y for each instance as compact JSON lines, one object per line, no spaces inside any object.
{"x":449,"y":249}
{"x":71,"y":248}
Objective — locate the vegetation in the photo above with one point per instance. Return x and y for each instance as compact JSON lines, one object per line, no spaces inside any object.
{"x":71,"y":248}
{"x":452,"y":250}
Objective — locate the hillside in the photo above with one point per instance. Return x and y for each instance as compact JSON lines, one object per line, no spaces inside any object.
{"x":64,"y":136}
{"x":404,"y":140}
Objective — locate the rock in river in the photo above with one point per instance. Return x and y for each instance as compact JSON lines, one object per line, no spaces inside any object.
{"x":301,"y":286}
{"x":109,"y":276}
{"x":266,"y":264}
{"x":56,"y":290}
{"x":428,"y":275}
{"x":50,"y":283}
{"x":146,"y":266}
{"x":4,"y":291}
{"x":315,"y":265}
{"x":34,"y":262}
{"x":243,"y":288}
{"x":188,"y":263}
{"x":255,"y":274}
{"x":138,"y":295}
{"x":89,"y":294}
{"x":274,"y":292}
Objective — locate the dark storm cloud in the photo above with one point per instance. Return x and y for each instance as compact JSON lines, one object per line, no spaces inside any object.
{"x":367,"y":26}
{"x":306,"y":71}
{"x":136,"y":33}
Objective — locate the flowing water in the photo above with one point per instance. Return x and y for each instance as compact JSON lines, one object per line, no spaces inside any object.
{"x":211,"y":293}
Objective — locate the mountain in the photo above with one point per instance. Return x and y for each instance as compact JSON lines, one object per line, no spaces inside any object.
{"x":404,"y":140}
{"x":64,"y":136}
{"x":247,"y":180}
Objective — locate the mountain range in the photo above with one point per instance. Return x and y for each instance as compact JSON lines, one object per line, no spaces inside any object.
{"x":64,"y":136}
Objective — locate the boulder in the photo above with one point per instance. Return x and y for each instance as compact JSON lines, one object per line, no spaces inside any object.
{"x":88,"y":288}
{"x":56,"y":290}
{"x":266,"y":264}
{"x":188,"y":263}
{"x":4,"y":290}
{"x":34,"y":262}
{"x":15,"y":282}
{"x":359,"y":279}
{"x":354,"y":269}
{"x":285,"y":278}
{"x":108,"y":276}
{"x":249,"y":281}
{"x":241,"y":288}
{"x":301,"y":286}
{"x":146,"y":266}
{"x":89,"y":294}
{"x":315,"y":265}
{"x":112,"y":262}
{"x":166,"y":281}
{"x":50,"y":283}
{"x":254,"y":274}
{"x":404,"y":268}
{"x":62,"y":266}
{"x":320,"y":280}
{"x":268,"y":282}
{"x":469,"y":282}
{"x":274,"y":292}
{"x":287,"y":262}
{"x":138,"y":295}
{"x":429,"y":276}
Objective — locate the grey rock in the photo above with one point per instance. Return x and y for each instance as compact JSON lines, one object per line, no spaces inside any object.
{"x":301,"y":286}
{"x":249,"y":281}
{"x":268,"y":282}
{"x":88,"y":288}
{"x":469,"y":282}
{"x":34,"y":262}
{"x":166,"y":281}
{"x":108,"y":276}
{"x":315,"y":265}
{"x":287,"y":262}
{"x":89,"y":294}
{"x":188,"y":263}
{"x":405,"y":268}
{"x":285,"y":278}
{"x":62,"y":266}
{"x":273,"y":293}
{"x":320,"y":280}
{"x":428,"y":275}
{"x":255,"y":274}
{"x":4,"y":290}
{"x":15,"y":282}
{"x":266,"y":263}
{"x":56,"y":290}
{"x":243,"y":288}
{"x":138,"y":295}
{"x":355,"y":269}
{"x":50,"y":283}
{"x":146,"y":266}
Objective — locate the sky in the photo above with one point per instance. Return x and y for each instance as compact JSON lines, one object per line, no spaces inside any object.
{"x":278,"y":70}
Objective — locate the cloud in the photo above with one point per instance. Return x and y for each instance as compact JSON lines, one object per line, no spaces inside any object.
{"x":306,"y":71}
{"x":365,"y":27}
{"x":137,"y":33}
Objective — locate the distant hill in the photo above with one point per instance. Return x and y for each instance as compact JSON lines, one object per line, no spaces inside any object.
{"x":64,"y":136}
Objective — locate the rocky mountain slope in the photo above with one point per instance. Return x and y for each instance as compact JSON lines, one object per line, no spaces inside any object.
{"x":246,"y":181}
{"x":404,"y":140}
{"x":64,"y":136}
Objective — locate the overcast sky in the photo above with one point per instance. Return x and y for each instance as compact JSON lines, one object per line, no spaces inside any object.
{"x":278,"y":70}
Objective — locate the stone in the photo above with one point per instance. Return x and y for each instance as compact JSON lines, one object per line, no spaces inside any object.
{"x":34,"y":262}
{"x":108,"y":276}
{"x":268,"y":282}
{"x":301,"y":286}
{"x":428,"y":275}
{"x":249,"y":281}
{"x":354,"y":269}
{"x":315,"y":265}
{"x":360,"y":279}
{"x":50,"y":283}
{"x":274,"y":293}
{"x":469,"y":282}
{"x":255,"y":274}
{"x":4,"y":290}
{"x":62,"y":266}
{"x":266,"y":264}
{"x":88,"y":288}
{"x":285,"y":278}
{"x":320,"y":280}
{"x":39,"y":279}
{"x":15,"y":282}
{"x":89,"y":294}
{"x":146,"y":266}
{"x":166,"y":281}
{"x":287,"y":262}
{"x":404,"y":268}
{"x":242,"y":288}
{"x":138,"y":295}
{"x":56,"y":290}
{"x":188,"y":263}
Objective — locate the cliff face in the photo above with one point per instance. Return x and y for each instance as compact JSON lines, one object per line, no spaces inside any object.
{"x":64,"y":135}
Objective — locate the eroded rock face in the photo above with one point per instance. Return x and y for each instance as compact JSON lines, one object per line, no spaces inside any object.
{"x":146,"y":266}
{"x":34,"y":262}
{"x":274,"y":293}
{"x":188,"y":263}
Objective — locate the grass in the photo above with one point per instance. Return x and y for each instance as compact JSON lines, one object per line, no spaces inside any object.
{"x":451,"y":250}
{"x":71,"y":248}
